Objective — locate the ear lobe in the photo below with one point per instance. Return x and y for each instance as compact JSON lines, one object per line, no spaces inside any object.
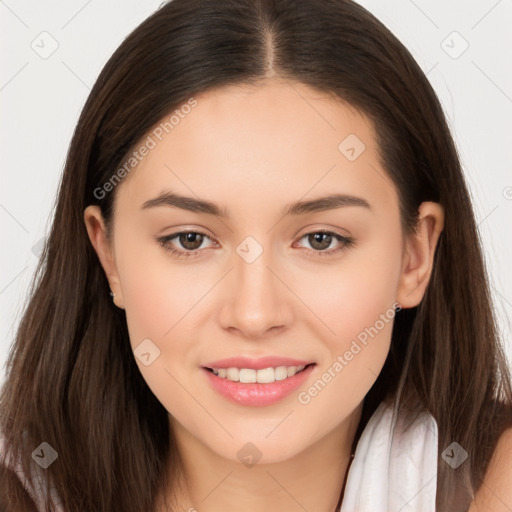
{"x":103,"y":247}
{"x":419,"y":253}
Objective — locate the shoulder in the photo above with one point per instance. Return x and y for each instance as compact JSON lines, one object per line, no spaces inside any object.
{"x":495,"y":494}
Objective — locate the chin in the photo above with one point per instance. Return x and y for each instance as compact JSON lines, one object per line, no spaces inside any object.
{"x":249,"y":451}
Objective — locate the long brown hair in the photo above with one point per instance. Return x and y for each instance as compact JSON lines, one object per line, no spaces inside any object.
{"x":72,"y":380}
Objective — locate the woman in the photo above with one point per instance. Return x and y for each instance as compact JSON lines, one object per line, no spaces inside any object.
{"x":263,"y":288}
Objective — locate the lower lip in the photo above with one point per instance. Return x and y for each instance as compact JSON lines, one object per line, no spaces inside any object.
{"x":255,"y":394}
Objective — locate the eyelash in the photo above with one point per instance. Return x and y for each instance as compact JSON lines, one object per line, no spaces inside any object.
{"x":346,"y":242}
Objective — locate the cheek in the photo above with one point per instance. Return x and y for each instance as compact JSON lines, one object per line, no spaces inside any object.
{"x":354,"y":299}
{"x":158,"y":298}
{"x":351,"y":294}
{"x":356,"y":306}
{"x":158,"y":292}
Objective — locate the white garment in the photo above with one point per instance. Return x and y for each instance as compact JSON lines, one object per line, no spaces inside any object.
{"x":393,"y":469}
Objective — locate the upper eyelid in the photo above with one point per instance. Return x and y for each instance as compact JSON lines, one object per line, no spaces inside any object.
{"x":313,"y":229}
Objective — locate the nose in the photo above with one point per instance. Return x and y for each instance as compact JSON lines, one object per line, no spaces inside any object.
{"x":256,"y":303}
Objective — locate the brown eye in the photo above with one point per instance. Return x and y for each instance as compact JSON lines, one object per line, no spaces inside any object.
{"x":320,"y":241}
{"x":185,"y":243}
{"x":190,"y":241}
{"x":326,"y":243}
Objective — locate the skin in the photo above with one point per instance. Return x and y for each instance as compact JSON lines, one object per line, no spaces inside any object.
{"x":253,"y":150}
{"x":495,"y":494}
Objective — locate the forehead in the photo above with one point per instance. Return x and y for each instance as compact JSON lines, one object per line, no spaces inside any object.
{"x":277,"y":141}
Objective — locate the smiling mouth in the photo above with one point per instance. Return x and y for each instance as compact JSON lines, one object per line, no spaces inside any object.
{"x":261,"y":376}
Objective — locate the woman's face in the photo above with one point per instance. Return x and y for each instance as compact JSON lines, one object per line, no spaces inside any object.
{"x":282,"y":163}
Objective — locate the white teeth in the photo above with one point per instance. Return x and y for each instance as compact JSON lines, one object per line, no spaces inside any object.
{"x":281,"y":373}
{"x":292,"y":370}
{"x":263,"y":376}
{"x":247,"y":375}
{"x":232,"y":374}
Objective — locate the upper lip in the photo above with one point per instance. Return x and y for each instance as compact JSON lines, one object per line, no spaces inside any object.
{"x":256,"y":364}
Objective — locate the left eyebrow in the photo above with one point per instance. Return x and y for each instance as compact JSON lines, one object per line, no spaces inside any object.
{"x":321,"y":204}
{"x":192,"y":204}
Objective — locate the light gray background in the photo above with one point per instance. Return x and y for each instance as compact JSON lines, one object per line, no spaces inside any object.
{"x":42,"y":93}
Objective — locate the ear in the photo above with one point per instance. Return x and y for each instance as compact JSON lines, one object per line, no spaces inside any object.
{"x":419,"y":252}
{"x":104,"y":248}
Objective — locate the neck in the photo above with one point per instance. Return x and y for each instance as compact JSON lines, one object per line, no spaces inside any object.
{"x":311,"y":480}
